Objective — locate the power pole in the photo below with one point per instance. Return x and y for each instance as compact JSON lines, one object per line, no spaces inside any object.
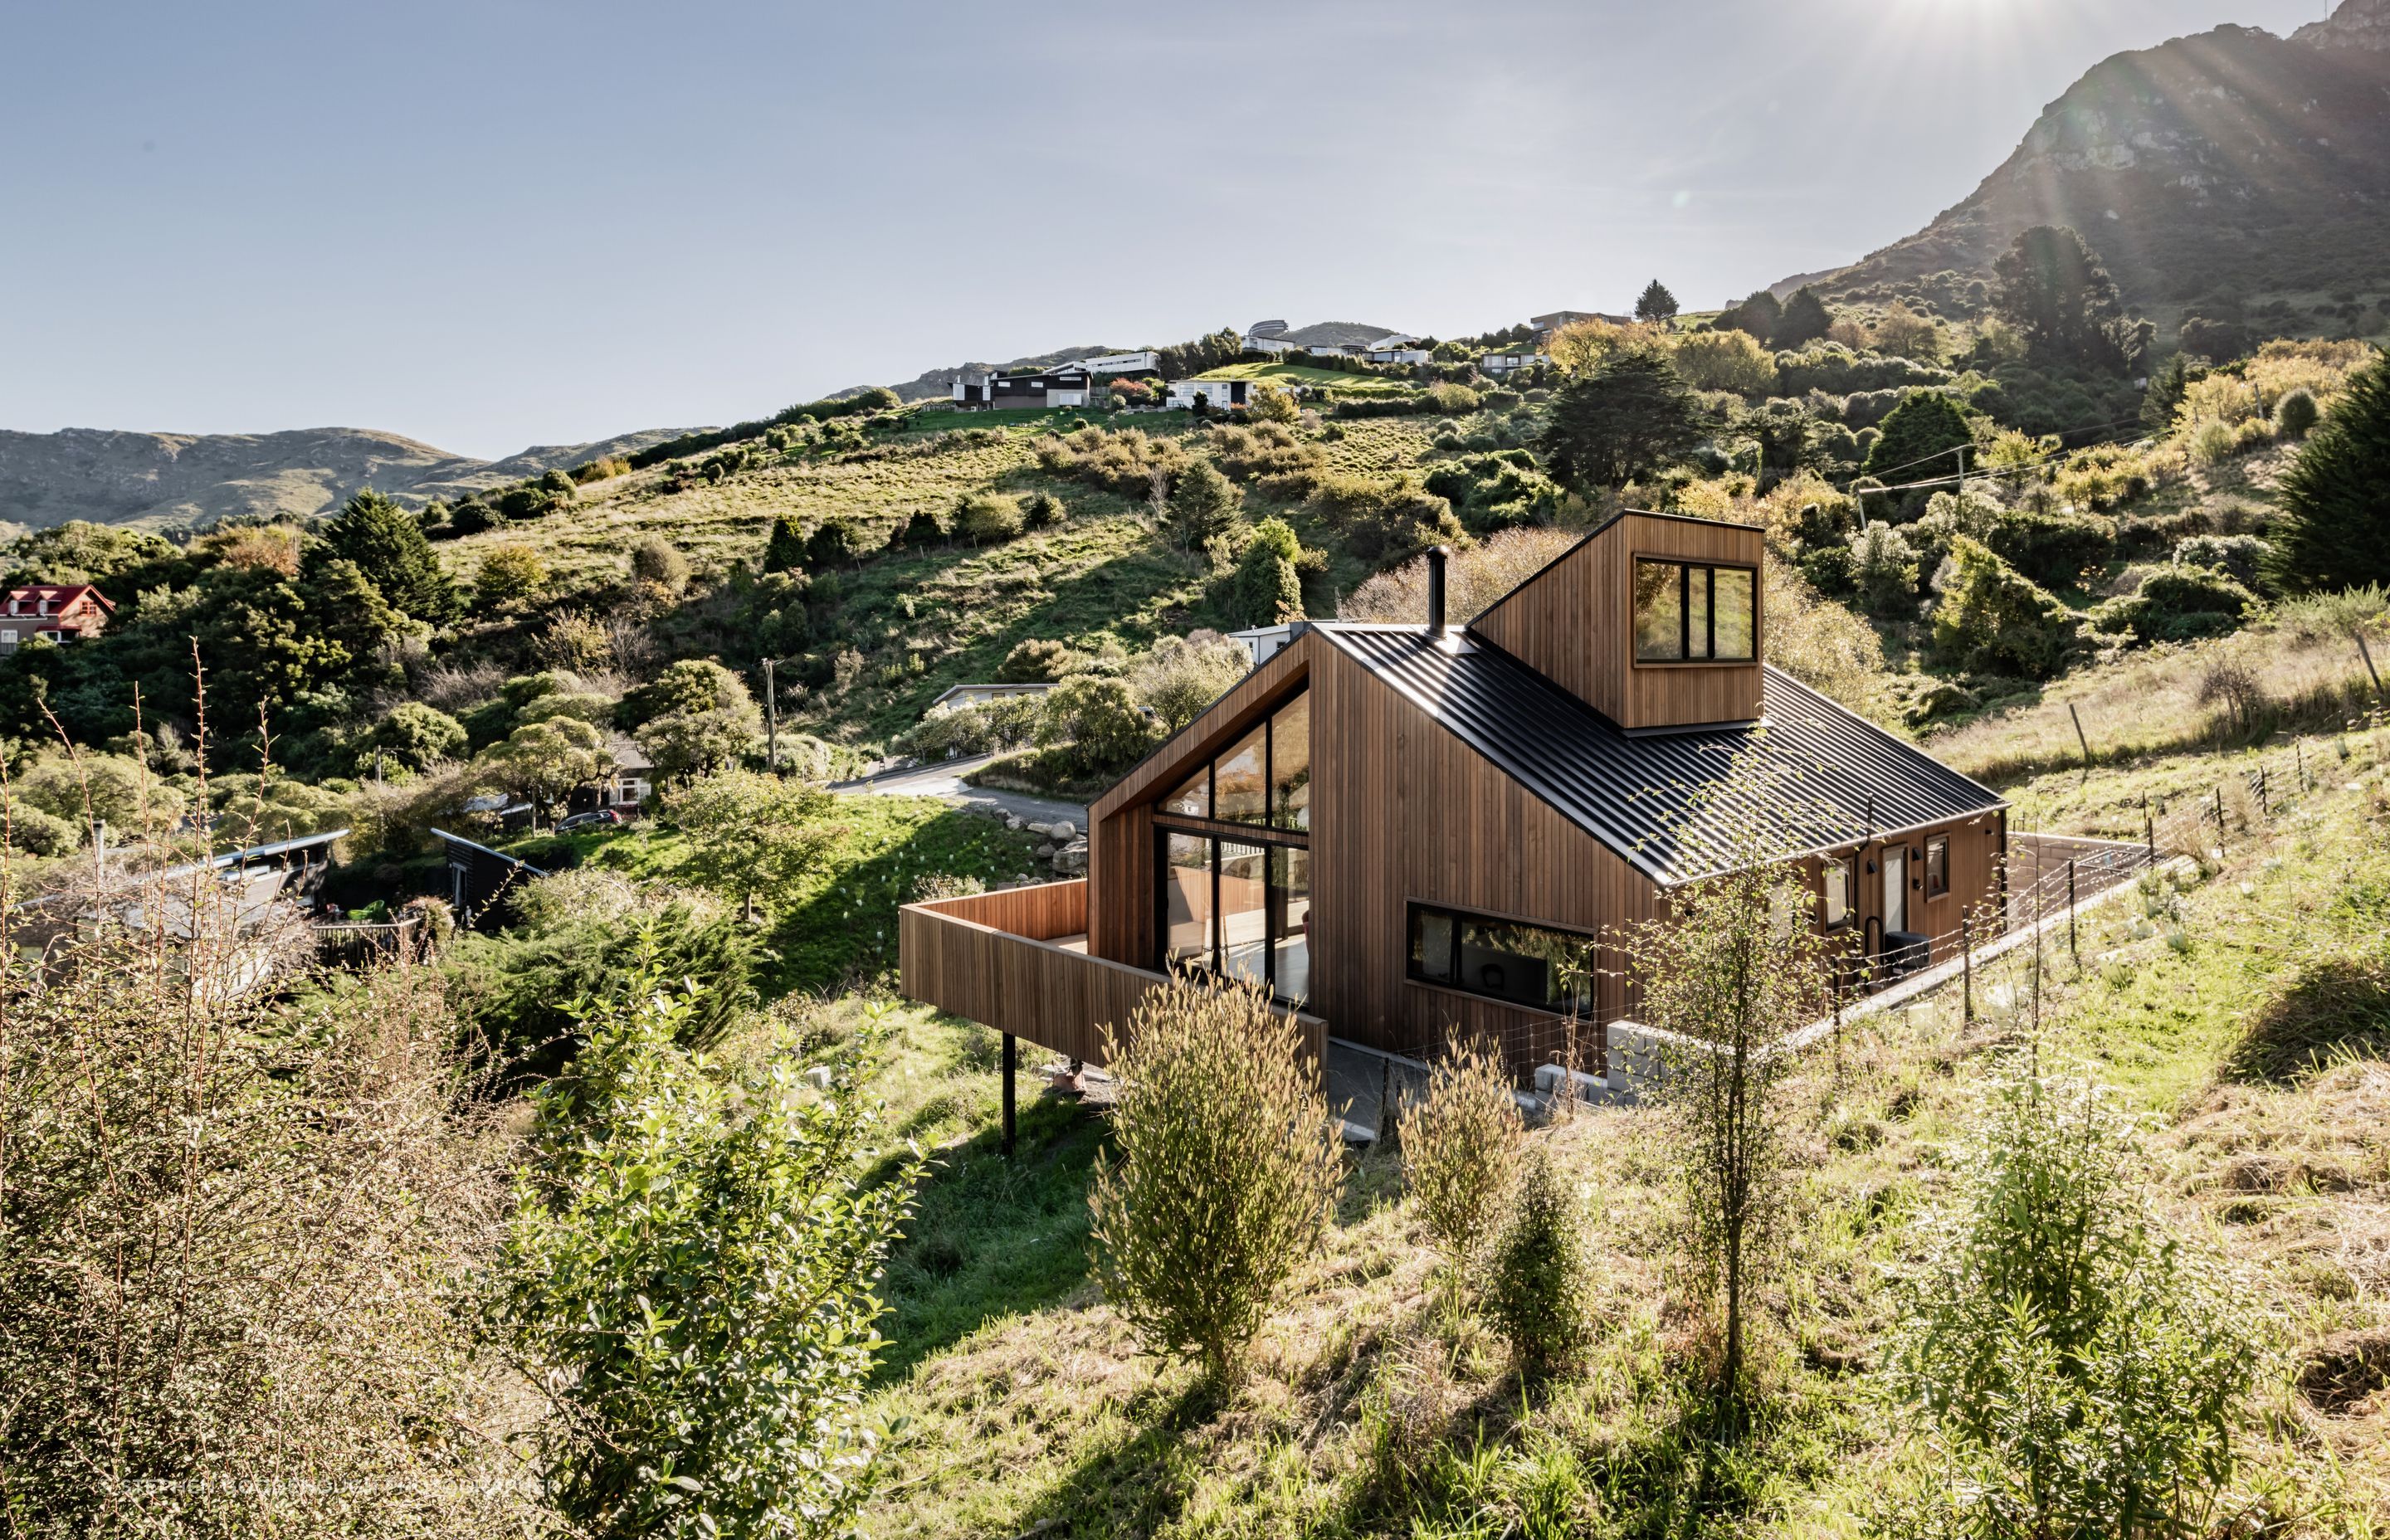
{"x":771,"y":720}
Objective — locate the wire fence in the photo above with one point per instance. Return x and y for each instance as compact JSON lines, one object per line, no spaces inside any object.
{"x":2041,"y":884}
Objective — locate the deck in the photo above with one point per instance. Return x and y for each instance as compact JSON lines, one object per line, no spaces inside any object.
{"x":1017,"y":960}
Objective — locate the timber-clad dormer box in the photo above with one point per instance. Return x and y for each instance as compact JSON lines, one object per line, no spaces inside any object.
{"x":1654,"y":620}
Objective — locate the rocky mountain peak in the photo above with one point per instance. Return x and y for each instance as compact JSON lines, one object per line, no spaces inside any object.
{"x":2360,"y":24}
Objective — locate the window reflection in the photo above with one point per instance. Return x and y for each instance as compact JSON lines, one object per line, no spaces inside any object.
{"x":1244,"y":913}
{"x":1237,"y":784}
{"x":1525,"y":965}
{"x":1186,"y":900}
{"x":1194,"y":799}
{"x":1291,"y":924}
{"x":1290,"y":752}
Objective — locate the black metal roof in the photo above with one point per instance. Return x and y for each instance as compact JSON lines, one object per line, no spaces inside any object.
{"x":1827,"y":779}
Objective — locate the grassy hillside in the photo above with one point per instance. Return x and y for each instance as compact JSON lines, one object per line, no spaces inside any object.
{"x":1028,"y":1402}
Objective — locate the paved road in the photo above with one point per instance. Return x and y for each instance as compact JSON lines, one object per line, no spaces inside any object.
{"x":945,"y":781}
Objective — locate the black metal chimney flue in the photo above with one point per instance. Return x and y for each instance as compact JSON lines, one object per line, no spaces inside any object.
{"x":1436,"y":556}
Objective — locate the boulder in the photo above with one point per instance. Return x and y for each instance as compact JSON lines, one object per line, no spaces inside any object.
{"x":1072,"y":857}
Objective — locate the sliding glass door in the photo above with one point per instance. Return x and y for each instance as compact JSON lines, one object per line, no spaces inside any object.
{"x":1235,"y":907}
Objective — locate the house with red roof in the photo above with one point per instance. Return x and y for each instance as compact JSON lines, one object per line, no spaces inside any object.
{"x":59,"y":612}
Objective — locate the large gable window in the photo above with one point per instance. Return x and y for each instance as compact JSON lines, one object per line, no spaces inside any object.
{"x":1236,"y":900}
{"x":1695,"y":613}
{"x":1262,"y":779}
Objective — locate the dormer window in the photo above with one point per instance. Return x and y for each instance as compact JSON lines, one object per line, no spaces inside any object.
{"x":1688,"y":612}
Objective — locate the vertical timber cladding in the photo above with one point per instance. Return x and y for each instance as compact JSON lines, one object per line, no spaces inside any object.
{"x":1402,"y":810}
{"x":1574,"y":624}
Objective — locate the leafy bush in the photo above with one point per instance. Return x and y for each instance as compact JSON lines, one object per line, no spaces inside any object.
{"x":1266,"y":588}
{"x":1246,"y":454}
{"x":1203,"y":503}
{"x":1460,"y":1153}
{"x":1451,"y":398}
{"x":2238,"y":557}
{"x":1884,"y":569}
{"x":1099,"y":719}
{"x":417,"y":736}
{"x":1922,"y":438}
{"x":1992,"y":618}
{"x":1724,"y":361}
{"x":1041,"y":510}
{"x":657,"y":563}
{"x":2084,"y":1369}
{"x":1040,"y":660}
{"x":2175,"y":604}
{"x":1535,"y":1291}
{"x":836,"y":542}
{"x":2054,"y":548}
{"x":2295,"y":415}
{"x":985,"y":516}
{"x":1125,"y":462}
{"x":1228,"y":1170}
{"x":690,"y":1263}
{"x":239,"y":1224}
{"x":980,"y":728}
{"x":1830,"y":569}
{"x":1382,"y":520}
{"x":510,"y":572}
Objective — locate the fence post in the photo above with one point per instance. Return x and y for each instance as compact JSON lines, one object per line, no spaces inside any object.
{"x":2265,"y":806}
{"x":2077,"y":718}
{"x":2300,"y":748}
{"x":2071,"y":950}
{"x":2367,"y":653}
{"x":2149,"y":829}
{"x":2219,"y":813}
{"x":1967,"y":964}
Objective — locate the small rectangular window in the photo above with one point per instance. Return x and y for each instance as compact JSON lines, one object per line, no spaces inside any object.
{"x":1938,"y":865}
{"x":1658,"y":611}
{"x":1834,"y":886}
{"x":1531,"y":965}
{"x":1688,"y":613}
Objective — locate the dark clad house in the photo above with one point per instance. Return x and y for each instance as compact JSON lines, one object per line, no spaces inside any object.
{"x":1403,"y":829}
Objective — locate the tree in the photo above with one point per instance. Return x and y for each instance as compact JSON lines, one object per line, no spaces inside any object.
{"x":1203,"y":503}
{"x":696,"y":717}
{"x":1757,"y":315}
{"x":751,"y":833}
{"x":510,"y":570}
{"x":2053,"y":290}
{"x":389,"y":548}
{"x":1905,"y":333}
{"x":1993,"y":619}
{"x":1100,"y":718}
{"x":1727,"y":360}
{"x":1228,"y":1172}
{"x":785,"y":551}
{"x":1885,"y":570}
{"x":1731,"y":981}
{"x":1039,"y":660}
{"x":545,"y":760}
{"x":690,"y":1259}
{"x":417,"y":736}
{"x":836,"y":542}
{"x":2163,"y":400}
{"x":2085,"y":1371}
{"x":1267,"y":588}
{"x":1183,"y":676}
{"x":1922,"y":438}
{"x":1268,"y":404}
{"x":1656,"y":303}
{"x":1461,"y":1154}
{"x":1803,"y":319}
{"x":1632,"y":416}
{"x":2335,"y":531}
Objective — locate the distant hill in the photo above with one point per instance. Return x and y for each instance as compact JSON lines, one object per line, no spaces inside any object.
{"x":115,"y":477}
{"x":2233,"y":165}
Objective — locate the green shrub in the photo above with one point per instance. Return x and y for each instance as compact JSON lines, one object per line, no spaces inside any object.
{"x":2054,"y":549}
{"x":659,"y":563}
{"x":1535,"y":1294}
{"x":1039,"y":660}
{"x":2296,"y":414}
{"x":35,"y":832}
{"x":1831,"y":570}
{"x":1992,"y":618}
{"x":2238,"y":557}
{"x":785,"y":551}
{"x":690,"y":1264}
{"x":1041,"y":510}
{"x":1266,"y":588}
{"x":1183,"y":676}
{"x":985,"y":516}
{"x":1884,"y":569}
{"x":1228,"y":1168}
{"x":836,"y":542}
{"x":1461,"y":1154}
{"x":2084,"y":1370}
{"x":2176,"y":604}
{"x":1922,"y":438}
{"x":1099,"y":719}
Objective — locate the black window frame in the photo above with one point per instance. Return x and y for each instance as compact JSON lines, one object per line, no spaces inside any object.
{"x":1685,"y":570}
{"x":1415,"y":908}
{"x":1274,"y":902}
{"x":1210,"y":816}
{"x":1938,"y":865}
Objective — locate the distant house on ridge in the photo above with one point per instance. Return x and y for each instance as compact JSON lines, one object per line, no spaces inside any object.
{"x":54,"y":612}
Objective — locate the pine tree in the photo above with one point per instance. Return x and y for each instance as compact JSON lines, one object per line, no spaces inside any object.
{"x":1757,"y":315}
{"x":784,"y":552}
{"x":1632,"y":415}
{"x":1657,"y":304}
{"x":1805,"y":319}
{"x":1267,"y":588}
{"x":2053,"y":288}
{"x":1204,"y":502}
{"x":389,"y":548}
{"x":2164,"y":395}
{"x":2337,"y":530}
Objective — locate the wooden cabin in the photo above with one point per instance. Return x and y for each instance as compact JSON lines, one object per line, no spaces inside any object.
{"x":1400,"y":828}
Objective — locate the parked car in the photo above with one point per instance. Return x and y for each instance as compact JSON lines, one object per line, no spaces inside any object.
{"x":596,"y":818}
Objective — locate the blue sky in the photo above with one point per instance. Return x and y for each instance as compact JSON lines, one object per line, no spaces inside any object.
{"x":496,"y":224}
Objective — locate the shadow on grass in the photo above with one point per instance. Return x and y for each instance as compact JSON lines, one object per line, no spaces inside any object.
{"x":992,"y":1238}
{"x":2327,"y":1009}
{"x":1134,"y":1485}
{"x":848,"y":929}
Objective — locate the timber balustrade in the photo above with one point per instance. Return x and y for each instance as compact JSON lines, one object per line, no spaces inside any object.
{"x":997,"y":958}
